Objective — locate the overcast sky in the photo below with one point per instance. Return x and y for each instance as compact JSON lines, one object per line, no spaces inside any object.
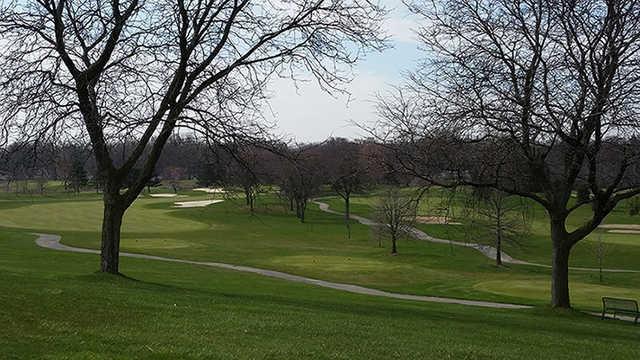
{"x":309,"y":114}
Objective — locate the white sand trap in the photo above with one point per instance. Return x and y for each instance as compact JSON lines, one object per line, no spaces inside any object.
{"x":440,"y":220}
{"x":211,"y":190}
{"x":192,"y":204}
{"x":620,"y":226}
{"x":624,"y":231}
{"x":163,"y":195}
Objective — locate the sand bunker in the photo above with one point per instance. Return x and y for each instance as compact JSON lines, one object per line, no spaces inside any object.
{"x":620,"y":226}
{"x":435,"y":220}
{"x":192,"y":204}
{"x":163,"y":195}
{"x":624,"y":231}
{"x":211,"y":190}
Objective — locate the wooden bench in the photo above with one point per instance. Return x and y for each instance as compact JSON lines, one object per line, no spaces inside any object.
{"x":621,"y":307}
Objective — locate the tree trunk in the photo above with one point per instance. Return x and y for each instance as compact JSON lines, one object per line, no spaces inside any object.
{"x":347,"y":216}
{"x":499,"y":247}
{"x":111,"y":224}
{"x":303,"y":209}
{"x":250,"y":198}
{"x":394,"y":247}
{"x":560,"y":266}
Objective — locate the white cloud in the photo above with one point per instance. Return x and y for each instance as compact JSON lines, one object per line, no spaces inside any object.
{"x":401,"y":29}
{"x":401,"y":23}
{"x":310,"y":114}
{"x":307,"y":113}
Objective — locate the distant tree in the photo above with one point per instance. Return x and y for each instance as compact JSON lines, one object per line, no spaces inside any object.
{"x":41,"y":181}
{"x":634,"y":206}
{"x":301,"y":175}
{"x":78,"y":175}
{"x":212,"y":167}
{"x":396,"y":213}
{"x":97,"y":182}
{"x":600,"y":251}
{"x":246,"y":169}
{"x":502,"y":214}
{"x":583,"y":194}
{"x":347,"y":172}
{"x":173,"y":174}
{"x":154,"y":181}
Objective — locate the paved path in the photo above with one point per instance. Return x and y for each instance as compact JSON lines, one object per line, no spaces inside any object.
{"x":486,"y":250}
{"x":50,"y":241}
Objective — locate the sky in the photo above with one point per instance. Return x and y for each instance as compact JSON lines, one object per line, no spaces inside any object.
{"x":307,"y":113}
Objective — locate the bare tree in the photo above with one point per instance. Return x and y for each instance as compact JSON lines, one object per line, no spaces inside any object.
{"x":600,"y":251}
{"x":534,"y":98}
{"x":140,"y":69}
{"x":396,"y":214}
{"x":246,"y":168}
{"x":301,"y":175}
{"x":347,"y":172}
{"x":502,"y":214}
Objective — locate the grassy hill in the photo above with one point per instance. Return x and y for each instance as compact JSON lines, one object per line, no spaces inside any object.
{"x":56,"y":307}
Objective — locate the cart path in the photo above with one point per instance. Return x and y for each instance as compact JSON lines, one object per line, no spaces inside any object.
{"x":486,"y":250}
{"x":51,"y":241}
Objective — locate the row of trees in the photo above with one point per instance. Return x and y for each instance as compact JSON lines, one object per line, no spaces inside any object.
{"x":299,"y":171}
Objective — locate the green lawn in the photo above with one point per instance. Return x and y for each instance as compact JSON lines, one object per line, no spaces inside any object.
{"x":622,"y":250}
{"x":274,"y":239}
{"x":56,"y":307}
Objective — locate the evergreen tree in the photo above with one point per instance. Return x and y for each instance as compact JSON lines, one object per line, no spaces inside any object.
{"x":78,"y":176}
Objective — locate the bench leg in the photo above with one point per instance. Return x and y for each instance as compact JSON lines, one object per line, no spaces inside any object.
{"x":602,"y":318}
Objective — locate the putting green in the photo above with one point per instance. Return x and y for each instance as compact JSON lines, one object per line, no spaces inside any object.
{"x":87,"y":216}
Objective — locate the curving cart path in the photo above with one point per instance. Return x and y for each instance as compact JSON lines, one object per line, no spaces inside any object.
{"x":486,"y":250}
{"x":51,"y":241}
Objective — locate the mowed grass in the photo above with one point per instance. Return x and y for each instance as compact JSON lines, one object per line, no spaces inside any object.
{"x":622,"y":251}
{"x":54,"y":306}
{"x":273,"y":238}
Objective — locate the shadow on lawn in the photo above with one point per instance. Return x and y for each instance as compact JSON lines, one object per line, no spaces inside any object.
{"x":571,"y":321}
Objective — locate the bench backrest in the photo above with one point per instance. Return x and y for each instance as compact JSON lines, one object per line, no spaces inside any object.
{"x":620,"y":304}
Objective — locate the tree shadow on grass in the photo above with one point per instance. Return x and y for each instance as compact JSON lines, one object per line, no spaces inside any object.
{"x":539,"y":319}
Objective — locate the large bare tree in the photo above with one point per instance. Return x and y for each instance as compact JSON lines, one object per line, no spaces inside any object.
{"x":533,"y":97}
{"x":143,"y":68}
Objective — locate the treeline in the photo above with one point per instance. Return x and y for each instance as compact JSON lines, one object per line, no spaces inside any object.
{"x":298,"y":170}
